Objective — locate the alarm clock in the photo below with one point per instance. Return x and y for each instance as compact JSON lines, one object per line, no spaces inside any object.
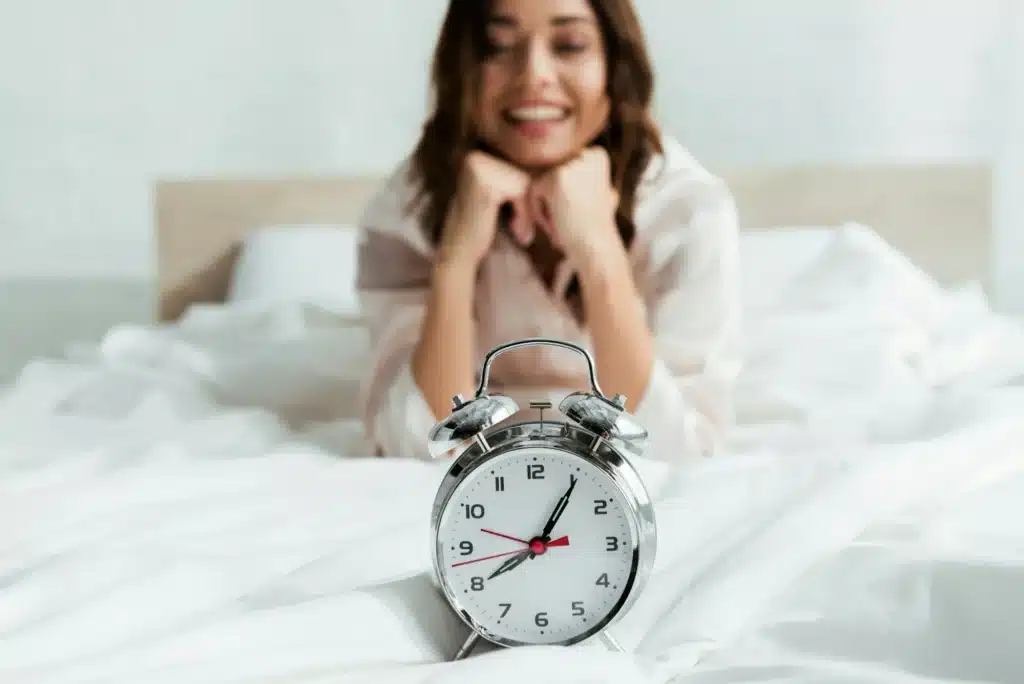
{"x":542,"y":530}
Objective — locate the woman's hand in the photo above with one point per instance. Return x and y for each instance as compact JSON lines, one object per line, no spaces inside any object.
{"x":485,"y":184}
{"x":576,"y":204}
{"x":580,"y":203}
{"x":443,"y":364}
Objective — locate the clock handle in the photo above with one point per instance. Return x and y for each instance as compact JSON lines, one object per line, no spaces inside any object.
{"x":537,"y":341}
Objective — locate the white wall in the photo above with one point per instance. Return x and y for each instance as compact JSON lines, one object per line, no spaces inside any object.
{"x":781,"y":81}
{"x":101,"y":98}
{"x":1008,"y":199}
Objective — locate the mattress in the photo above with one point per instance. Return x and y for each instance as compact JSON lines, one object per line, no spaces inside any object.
{"x":194,"y":502}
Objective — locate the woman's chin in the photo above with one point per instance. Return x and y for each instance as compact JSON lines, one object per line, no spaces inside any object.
{"x":541,"y":158}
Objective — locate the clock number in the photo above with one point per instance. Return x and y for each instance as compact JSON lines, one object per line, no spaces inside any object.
{"x":613,"y":543}
{"x":477,"y":584}
{"x":541,"y":619}
{"x":467,"y":548}
{"x":600,"y":507}
{"x":535,"y":471}
{"x":602,"y":581}
{"x":505,"y":608}
{"x":499,"y":484}
{"x":577,"y":608}
{"x":474,"y":511}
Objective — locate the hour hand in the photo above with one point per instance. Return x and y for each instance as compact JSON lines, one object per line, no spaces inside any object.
{"x":511,"y":563}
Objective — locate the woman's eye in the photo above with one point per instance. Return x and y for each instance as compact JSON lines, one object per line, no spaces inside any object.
{"x":498,"y":41}
{"x":570,"y":48}
{"x":565,"y":47}
{"x":496,"y":50}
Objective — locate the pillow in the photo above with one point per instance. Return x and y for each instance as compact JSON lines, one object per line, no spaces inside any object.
{"x":304,"y":263}
{"x":316,"y":264}
{"x":859,"y":267}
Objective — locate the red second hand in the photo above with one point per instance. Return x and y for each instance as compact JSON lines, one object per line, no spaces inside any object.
{"x":505,"y":536}
{"x":478,"y":560}
{"x":561,"y":541}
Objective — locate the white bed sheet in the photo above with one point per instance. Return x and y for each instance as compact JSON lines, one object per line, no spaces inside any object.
{"x":191,"y":503}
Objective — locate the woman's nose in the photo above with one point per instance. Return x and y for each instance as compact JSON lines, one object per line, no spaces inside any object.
{"x":539,"y":64}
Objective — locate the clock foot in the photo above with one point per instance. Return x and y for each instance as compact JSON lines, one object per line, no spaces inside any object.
{"x":467,"y":647}
{"x":611,"y":643}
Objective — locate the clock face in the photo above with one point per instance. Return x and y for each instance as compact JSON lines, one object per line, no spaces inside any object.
{"x":518,"y":583}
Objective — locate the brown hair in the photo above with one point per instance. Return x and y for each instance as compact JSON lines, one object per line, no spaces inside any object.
{"x":630,"y":137}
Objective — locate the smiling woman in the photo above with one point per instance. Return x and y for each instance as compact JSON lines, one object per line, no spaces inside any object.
{"x":542,"y":200}
{"x":543,"y":92}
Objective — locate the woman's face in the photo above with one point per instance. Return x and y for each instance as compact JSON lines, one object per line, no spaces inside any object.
{"x":543,"y":94}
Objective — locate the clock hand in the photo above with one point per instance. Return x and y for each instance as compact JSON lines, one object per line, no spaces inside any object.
{"x":559,"y":507}
{"x":485,"y":558}
{"x":496,"y":555}
{"x":504,"y":536}
{"x":511,"y":563}
{"x":538,"y":547}
{"x":561,"y":541}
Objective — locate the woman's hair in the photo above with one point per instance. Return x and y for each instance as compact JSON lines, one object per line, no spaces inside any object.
{"x":630,"y":137}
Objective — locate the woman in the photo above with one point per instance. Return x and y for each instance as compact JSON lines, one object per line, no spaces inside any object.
{"x":541,"y":201}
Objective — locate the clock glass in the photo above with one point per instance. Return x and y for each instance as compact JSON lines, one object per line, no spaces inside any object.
{"x":537,"y":546}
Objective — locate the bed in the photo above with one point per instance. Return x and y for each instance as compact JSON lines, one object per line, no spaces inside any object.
{"x":190,"y":500}
{"x":938,"y":214}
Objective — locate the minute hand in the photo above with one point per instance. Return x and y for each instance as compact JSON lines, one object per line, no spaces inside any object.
{"x":559,"y":508}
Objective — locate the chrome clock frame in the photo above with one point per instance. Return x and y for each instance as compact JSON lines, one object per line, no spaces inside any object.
{"x":484,"y":434}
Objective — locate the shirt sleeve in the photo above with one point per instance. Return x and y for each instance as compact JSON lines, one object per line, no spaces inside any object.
{"x":691,"y":290}
{"x":393,"y":282}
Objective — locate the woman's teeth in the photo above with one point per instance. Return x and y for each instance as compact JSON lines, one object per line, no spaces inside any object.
{"x":537,"y":114}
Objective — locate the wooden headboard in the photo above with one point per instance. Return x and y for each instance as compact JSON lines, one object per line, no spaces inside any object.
{"x":939,"y":215}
